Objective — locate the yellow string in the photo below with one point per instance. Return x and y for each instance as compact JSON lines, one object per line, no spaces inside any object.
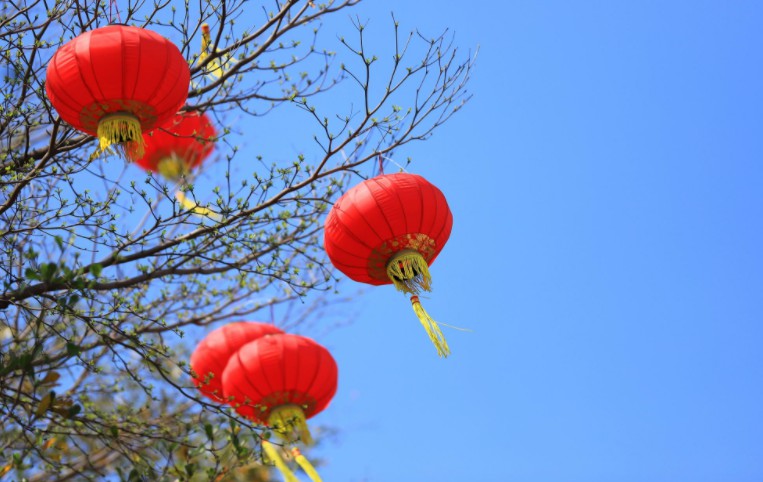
{"x":306,"y":465}
{"x":431,"y":327}
{"x":272,"y":454}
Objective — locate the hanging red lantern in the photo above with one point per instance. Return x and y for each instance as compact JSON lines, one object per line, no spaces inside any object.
{"x":179,"y":146}
{"x":211,"y":356}
{"x":270,"y":377}
{"x":281,"y":381}
{"x":116,"y":82}
{"x":388,"y":230}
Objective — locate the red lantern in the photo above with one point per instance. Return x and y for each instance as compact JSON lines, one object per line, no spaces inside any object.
{"x":388,"y":230}
{"x":115,"y":82}
{"x":280,"y":381}
{"x":211,"y":355}
{"x":272,"y":378}
{"x":178,"y":146}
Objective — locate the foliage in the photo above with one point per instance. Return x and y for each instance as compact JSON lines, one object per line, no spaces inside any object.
{"x":104,"y":271}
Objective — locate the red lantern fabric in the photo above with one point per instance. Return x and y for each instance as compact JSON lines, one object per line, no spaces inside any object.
{"x":281,"y":380}
{"x":179,"y":146}
{"x":389,"y":229}
{"x":211,"y":355}
{"x":115,"y":82}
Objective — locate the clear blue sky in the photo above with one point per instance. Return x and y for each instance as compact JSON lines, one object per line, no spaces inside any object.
{"x":606,"y":183}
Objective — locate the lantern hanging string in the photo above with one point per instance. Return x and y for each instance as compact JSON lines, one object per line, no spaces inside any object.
{"x":402,"y":169}
{"x":113,"y":7}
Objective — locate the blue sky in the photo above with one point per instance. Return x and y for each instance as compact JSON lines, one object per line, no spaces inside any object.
{"x":607,"y":187}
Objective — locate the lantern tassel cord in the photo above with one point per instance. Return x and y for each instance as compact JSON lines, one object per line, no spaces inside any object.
{"x":190,"y":205}
{"x":288,"y":418}
{"x":272,"y":454}
{"x":431,"y":327}
{"x":306,"y":465}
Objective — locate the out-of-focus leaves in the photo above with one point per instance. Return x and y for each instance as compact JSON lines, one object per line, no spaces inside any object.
{"x":45,"y":403}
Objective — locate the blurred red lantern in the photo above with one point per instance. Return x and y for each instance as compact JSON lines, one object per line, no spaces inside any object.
{"x":280,"y":381}
{"x":388,"y":230}
{"x":178,"y":146}
{"x":212,"y":353}
{"x":117,"y":81}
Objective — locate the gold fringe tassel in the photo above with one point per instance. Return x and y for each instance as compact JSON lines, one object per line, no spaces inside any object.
{"x":287,"y":419}
{"x":205,"y":41}
{"x":433,"y":330}
{"x":272,"y":454}
{"x":123,"y":132}
{"x":409,"y":272}
{"x":306,"y":465}
{"x":215,"y":70}
{"x":172,"y":168}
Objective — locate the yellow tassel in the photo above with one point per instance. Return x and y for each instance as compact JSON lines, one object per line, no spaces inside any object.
{"x":195,"y":208}
{"x":122,"y":131}
{"x":205,"y":41}
{"x":215,"y":70}
{"x":287,"y":419}
{"x":172,"y":168}
{"x":272,"y":453}
{"x":306,"y":465}
{"x":433,"y":330}
{"x":409,"y":272}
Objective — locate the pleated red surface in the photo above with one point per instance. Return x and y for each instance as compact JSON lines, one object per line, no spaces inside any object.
{"x":213,"y":352}
{"x":114,"y":69}
{"x":381,"y":216}
{"x":280,"y":370}
{"x":188,"y":136}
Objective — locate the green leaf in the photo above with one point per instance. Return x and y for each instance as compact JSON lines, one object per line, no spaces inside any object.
{"x":96,"y":269}
{"x":74,"y":410}
{"x":29,"y":273}
{"x":72,"y":349}
{"x":48,"y":270}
